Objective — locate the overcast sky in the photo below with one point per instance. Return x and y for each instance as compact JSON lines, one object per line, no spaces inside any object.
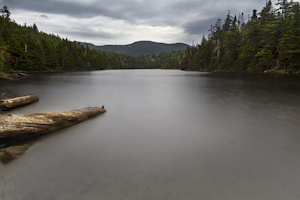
{"x":125,"y":21}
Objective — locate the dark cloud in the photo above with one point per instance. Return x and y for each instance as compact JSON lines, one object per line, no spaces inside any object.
{"x":114,"y":9}
{"x":198,"y":27}
{"x":192,"y":16}
{"x":187,"y":6}
{"x":53,"y":7}
{"x":134,"y":12}
{"x":89,"y":33}
{"x":209,"y":12}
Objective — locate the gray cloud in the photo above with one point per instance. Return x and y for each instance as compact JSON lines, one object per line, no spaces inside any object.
{"x":192,"y":16}
{"x":129,"y":10}
{"x":198,"y":27}
{"x":208,"y":13}
{"x":114,"y":9}
{"x":89,"y":33}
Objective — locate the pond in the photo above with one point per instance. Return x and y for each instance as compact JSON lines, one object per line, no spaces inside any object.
{"x":167,"y":134}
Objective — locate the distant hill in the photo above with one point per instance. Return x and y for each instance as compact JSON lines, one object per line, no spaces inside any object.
{"x":139,"y":48}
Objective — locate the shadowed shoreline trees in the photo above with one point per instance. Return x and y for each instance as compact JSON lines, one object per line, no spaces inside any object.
{"x":269,"y":41}
{"x":26,"y":48}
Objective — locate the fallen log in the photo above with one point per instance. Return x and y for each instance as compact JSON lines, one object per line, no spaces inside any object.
{"x":18,"y":127}
{"x":31,"y":125}
{"x":6,"y":104}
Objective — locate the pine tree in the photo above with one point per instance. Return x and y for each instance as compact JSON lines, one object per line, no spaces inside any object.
{"x":227,"y":22}
{"x":254,"y":15}
{"x":5,"y":12}
{"x":284,"y":6}
{"x":289,"y":48}
{"x":234,"y":22}
{"x":266,"y":13}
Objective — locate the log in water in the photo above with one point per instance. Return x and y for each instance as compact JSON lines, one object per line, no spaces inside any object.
{"x":170,"y":135}
{"x":6,"y":104}
{"x":31,"y":125}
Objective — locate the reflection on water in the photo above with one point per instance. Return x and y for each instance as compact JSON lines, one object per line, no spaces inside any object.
{"x":167,"y":134}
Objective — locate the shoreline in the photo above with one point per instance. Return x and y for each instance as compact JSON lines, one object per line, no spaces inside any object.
{"x":271,"y":71}
{"x":20,"y":74}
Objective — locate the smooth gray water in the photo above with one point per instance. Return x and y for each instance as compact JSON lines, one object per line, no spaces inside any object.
{"x":167,"y":134}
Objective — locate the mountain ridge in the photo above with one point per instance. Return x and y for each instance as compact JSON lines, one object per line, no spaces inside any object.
{"x":139,"y":48}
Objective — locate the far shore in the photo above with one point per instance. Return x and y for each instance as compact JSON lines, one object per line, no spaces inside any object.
{"x":19,"y":74}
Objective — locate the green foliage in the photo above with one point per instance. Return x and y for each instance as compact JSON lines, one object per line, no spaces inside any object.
{"x":26,"y":48}
{"x":5,"y":12}
{"x":139,"y":48}
{"x":270,"y":39}
{"x":1,"y":59}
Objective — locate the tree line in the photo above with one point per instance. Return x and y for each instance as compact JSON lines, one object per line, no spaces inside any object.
{"x":26,"y":48}
{"x":269,"y":40}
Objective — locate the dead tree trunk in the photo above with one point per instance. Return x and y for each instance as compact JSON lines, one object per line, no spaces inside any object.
{"x":32,"y":125}
{"x":6,"y":104}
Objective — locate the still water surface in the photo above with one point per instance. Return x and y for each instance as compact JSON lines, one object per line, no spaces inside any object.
{"x":167,"y":135}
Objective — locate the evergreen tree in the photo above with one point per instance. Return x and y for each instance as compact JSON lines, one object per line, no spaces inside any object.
{"x":267,"y":41}
{"x":254,"y":15}
{"x":227,"y":22}
{"x":284,"y":6}
{"x":289,"y":48}
{"x":266,"y":13}
{"x":5,"y":12}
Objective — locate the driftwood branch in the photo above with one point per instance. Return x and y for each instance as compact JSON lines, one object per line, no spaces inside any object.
{"x":6,"y":104}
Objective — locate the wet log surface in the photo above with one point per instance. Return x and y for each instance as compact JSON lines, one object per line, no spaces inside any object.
{"x":30,"y":125}
{"x":19,"y":127}
{"x":6,"y":104}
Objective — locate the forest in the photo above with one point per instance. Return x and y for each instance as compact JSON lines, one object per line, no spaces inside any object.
{"x":268,"y":42}
{"x":25,"y":48}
